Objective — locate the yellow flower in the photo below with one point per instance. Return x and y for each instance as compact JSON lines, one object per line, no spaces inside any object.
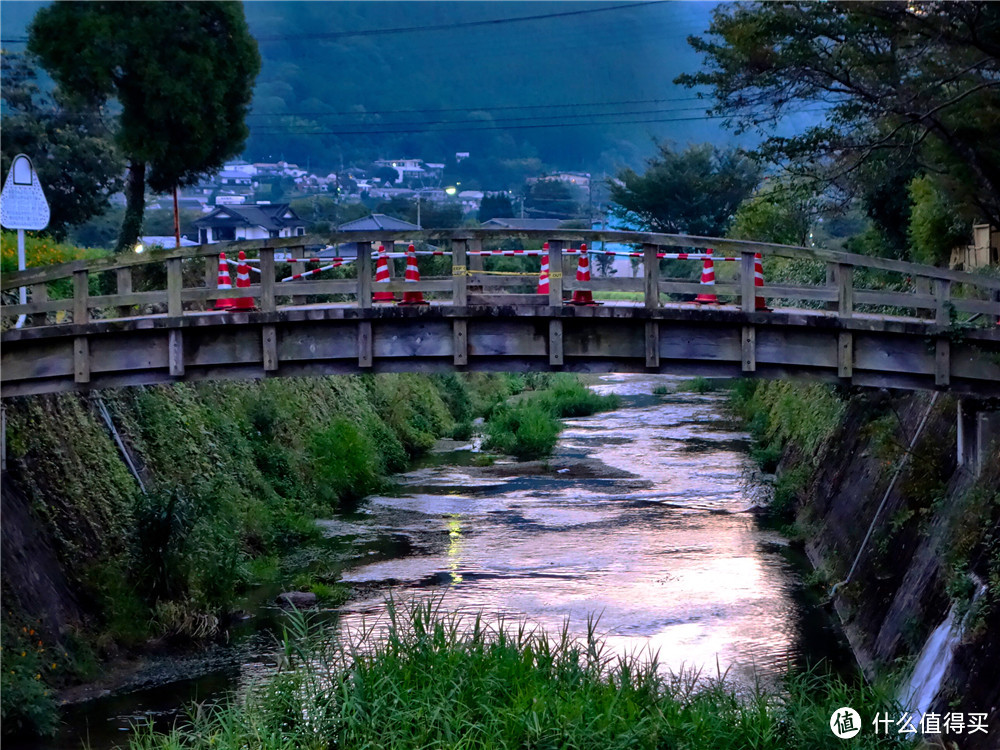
{"x":23,"y":653}
{"x":38,"y":677}
{"x":53,"y":665}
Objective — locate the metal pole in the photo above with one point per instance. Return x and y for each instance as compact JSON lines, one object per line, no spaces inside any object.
{"x":20,"y":267}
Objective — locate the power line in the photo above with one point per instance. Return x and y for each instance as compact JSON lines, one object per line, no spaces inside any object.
{"x":575,"y":124}
{"x":450,"y":26}
{"x":487,"y":108}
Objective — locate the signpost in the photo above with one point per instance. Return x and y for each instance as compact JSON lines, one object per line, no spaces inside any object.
{"x":23,"y":206}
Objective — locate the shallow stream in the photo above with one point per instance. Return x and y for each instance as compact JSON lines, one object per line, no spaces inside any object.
{"x":643,"y":516}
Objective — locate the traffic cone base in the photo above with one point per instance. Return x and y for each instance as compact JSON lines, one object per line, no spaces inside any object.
{"x":382,"y":277}
{"x":583,"y":296}
{"x":243,"y":304}
{"x":224,"y":283}
{"x":413,"y":275}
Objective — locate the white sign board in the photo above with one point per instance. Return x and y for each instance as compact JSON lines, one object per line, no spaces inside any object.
{"x":22,"y":202}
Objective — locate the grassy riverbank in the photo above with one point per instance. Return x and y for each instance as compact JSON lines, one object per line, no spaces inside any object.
{"x":235,"y":475}
{"x":433,"y":680}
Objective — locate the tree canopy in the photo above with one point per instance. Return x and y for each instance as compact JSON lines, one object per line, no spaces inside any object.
{"x":911,"y":85}
{"x":182,"y":73}
{"x":69,"y":144}
{"x":695,"y":191}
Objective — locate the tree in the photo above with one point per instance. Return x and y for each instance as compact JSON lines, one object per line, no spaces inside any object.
{"x":495,"y":206}
{"x":69,"y":144}
{"x":551,"y":198}
{"x":695,"y":191}
{"x":387,"y":175}
{"x":780,"y":212}
{"x":936,"y":225}
{"x":893,"y":80}
{"x":182,"y":73}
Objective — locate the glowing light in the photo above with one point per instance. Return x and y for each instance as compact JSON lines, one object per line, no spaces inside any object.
{"x":139,"y":248}
{"x":450,"y":190}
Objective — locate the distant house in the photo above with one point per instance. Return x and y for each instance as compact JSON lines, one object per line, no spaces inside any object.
{"x":549,"y":224}
{"x":257,"y":222}
{"x":984,"y":250}
{"x":370,"y":223}
{"x":168,"y":242}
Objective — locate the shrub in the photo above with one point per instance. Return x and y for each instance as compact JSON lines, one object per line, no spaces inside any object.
{"x":343,"y":464}
{"x":526,"y":430}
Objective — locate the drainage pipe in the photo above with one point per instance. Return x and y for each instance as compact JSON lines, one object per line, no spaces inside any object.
{"x":118,"y":441}
{"x":885,"y":497}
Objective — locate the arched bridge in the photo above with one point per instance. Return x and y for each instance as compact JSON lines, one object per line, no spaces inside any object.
{"x":834,"y":317}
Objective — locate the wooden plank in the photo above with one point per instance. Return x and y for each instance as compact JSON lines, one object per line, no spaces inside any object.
{"x":795,"y":346}
{"x":475,"y":260}
{"x":269,"y":342}
{"x":39,"y":293}
{"x":817,"y":293}
{"x":317,"y":341}
{"x":175,"y":352}
{"x":81,"y":359}
{"x":123,"y":285}
{"x":602,"y":338}
{"x":692,"y":344}
{"x":942,"y":293}
{"x":211,"y":273}
{"x":556,"y":288}
{"x":494,"y":337}
{"x":845,"y":290}
{"x":555,"y":337}
{"x":977,"y":306}
{"x":845,"y":355}
{"x":298,"y":267}
{"x":460,"y":275}
{"x":652,"y":343}
{"x":605,"y":285}
{"x":748,"y":295}
{"x":414,"y":338}
{"x":651,"y":288}
{"x":175,"y":285}
{"x":364,"y":293}
{"x":533,"y":300}
{"x":749,"y":345}
{"x":502,"y":282}
{"x":36,"y":308}
{"x":460,"y":339}
{"x":141,"y":350}
{"x":365,"y":343}
{"x":894,"y":299}
{"x":942,"y":361}
{"x":81,"y":290}
{"x":267,"y":282}
{"x":322,"y":286}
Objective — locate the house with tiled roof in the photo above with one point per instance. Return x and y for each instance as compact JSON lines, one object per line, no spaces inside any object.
{"x":256,"y":222}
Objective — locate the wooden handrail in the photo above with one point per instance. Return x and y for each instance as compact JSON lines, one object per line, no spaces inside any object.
{"x":46,"y":274}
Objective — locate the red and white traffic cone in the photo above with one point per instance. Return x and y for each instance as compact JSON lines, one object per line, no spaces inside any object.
{"x":758,"y":282}
{"x":412,"y":274}
{"x":543,"y":277}
{"x":708,"y":296}
{"x":382,"y":277}
{"x":583,"y":296}
{"x":224,"y":283}
{"x":243,"y":282}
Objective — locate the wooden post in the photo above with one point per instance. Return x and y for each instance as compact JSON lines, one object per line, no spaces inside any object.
{"x":81,"y":293}
{"x":459,"y":274}
{"x":652,"y":344}
{"x":748,"y":293}
{"x":460,"y":341}
{"x":845,"y":290}
{"x":556,"y":342}
{"x":749,"y":347}
{"x":124,"y":286}
{"x":175,"y":352}
{"x":364,"y":250}
{"x":556,"y":282}
{"x":942,"y":292}
{"x":942,"y":362}
{"x":922,"y":286}
{"x":475,"y":261}
{"x":39,"y":293}
{"x":174,"y":284}
{"x":81,"y":359}
{"x":651,"y":275}
{"x":297,"y":268}
{"x":845,"y":354}
{"x":831,"y":283}
{"x":269,"y":347}
{"x":211,"y":274}
{"x":365,"y":348}
{"x":266,"y":302}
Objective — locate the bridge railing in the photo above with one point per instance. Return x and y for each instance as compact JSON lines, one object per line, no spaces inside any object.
{"x":184,"y":280}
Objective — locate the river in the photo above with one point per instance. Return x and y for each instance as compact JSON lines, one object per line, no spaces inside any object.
{"x":643,"y":516}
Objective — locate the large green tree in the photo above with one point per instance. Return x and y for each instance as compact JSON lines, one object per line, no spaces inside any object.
{"x":915,"y":85}
{"x":182,"y":74}
{"x":695,"y":191}
{"x":69,"y":143}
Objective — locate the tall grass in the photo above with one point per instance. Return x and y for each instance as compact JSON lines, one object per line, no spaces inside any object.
{"x":530,"y":428}
{"x":428,"y":679}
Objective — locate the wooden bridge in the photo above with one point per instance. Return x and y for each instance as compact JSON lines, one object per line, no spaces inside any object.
{"x":851,"y":319}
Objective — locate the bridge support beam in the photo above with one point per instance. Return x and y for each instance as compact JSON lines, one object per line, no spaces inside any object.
{"x":749,"y":349}
{"x":978,"y":432}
